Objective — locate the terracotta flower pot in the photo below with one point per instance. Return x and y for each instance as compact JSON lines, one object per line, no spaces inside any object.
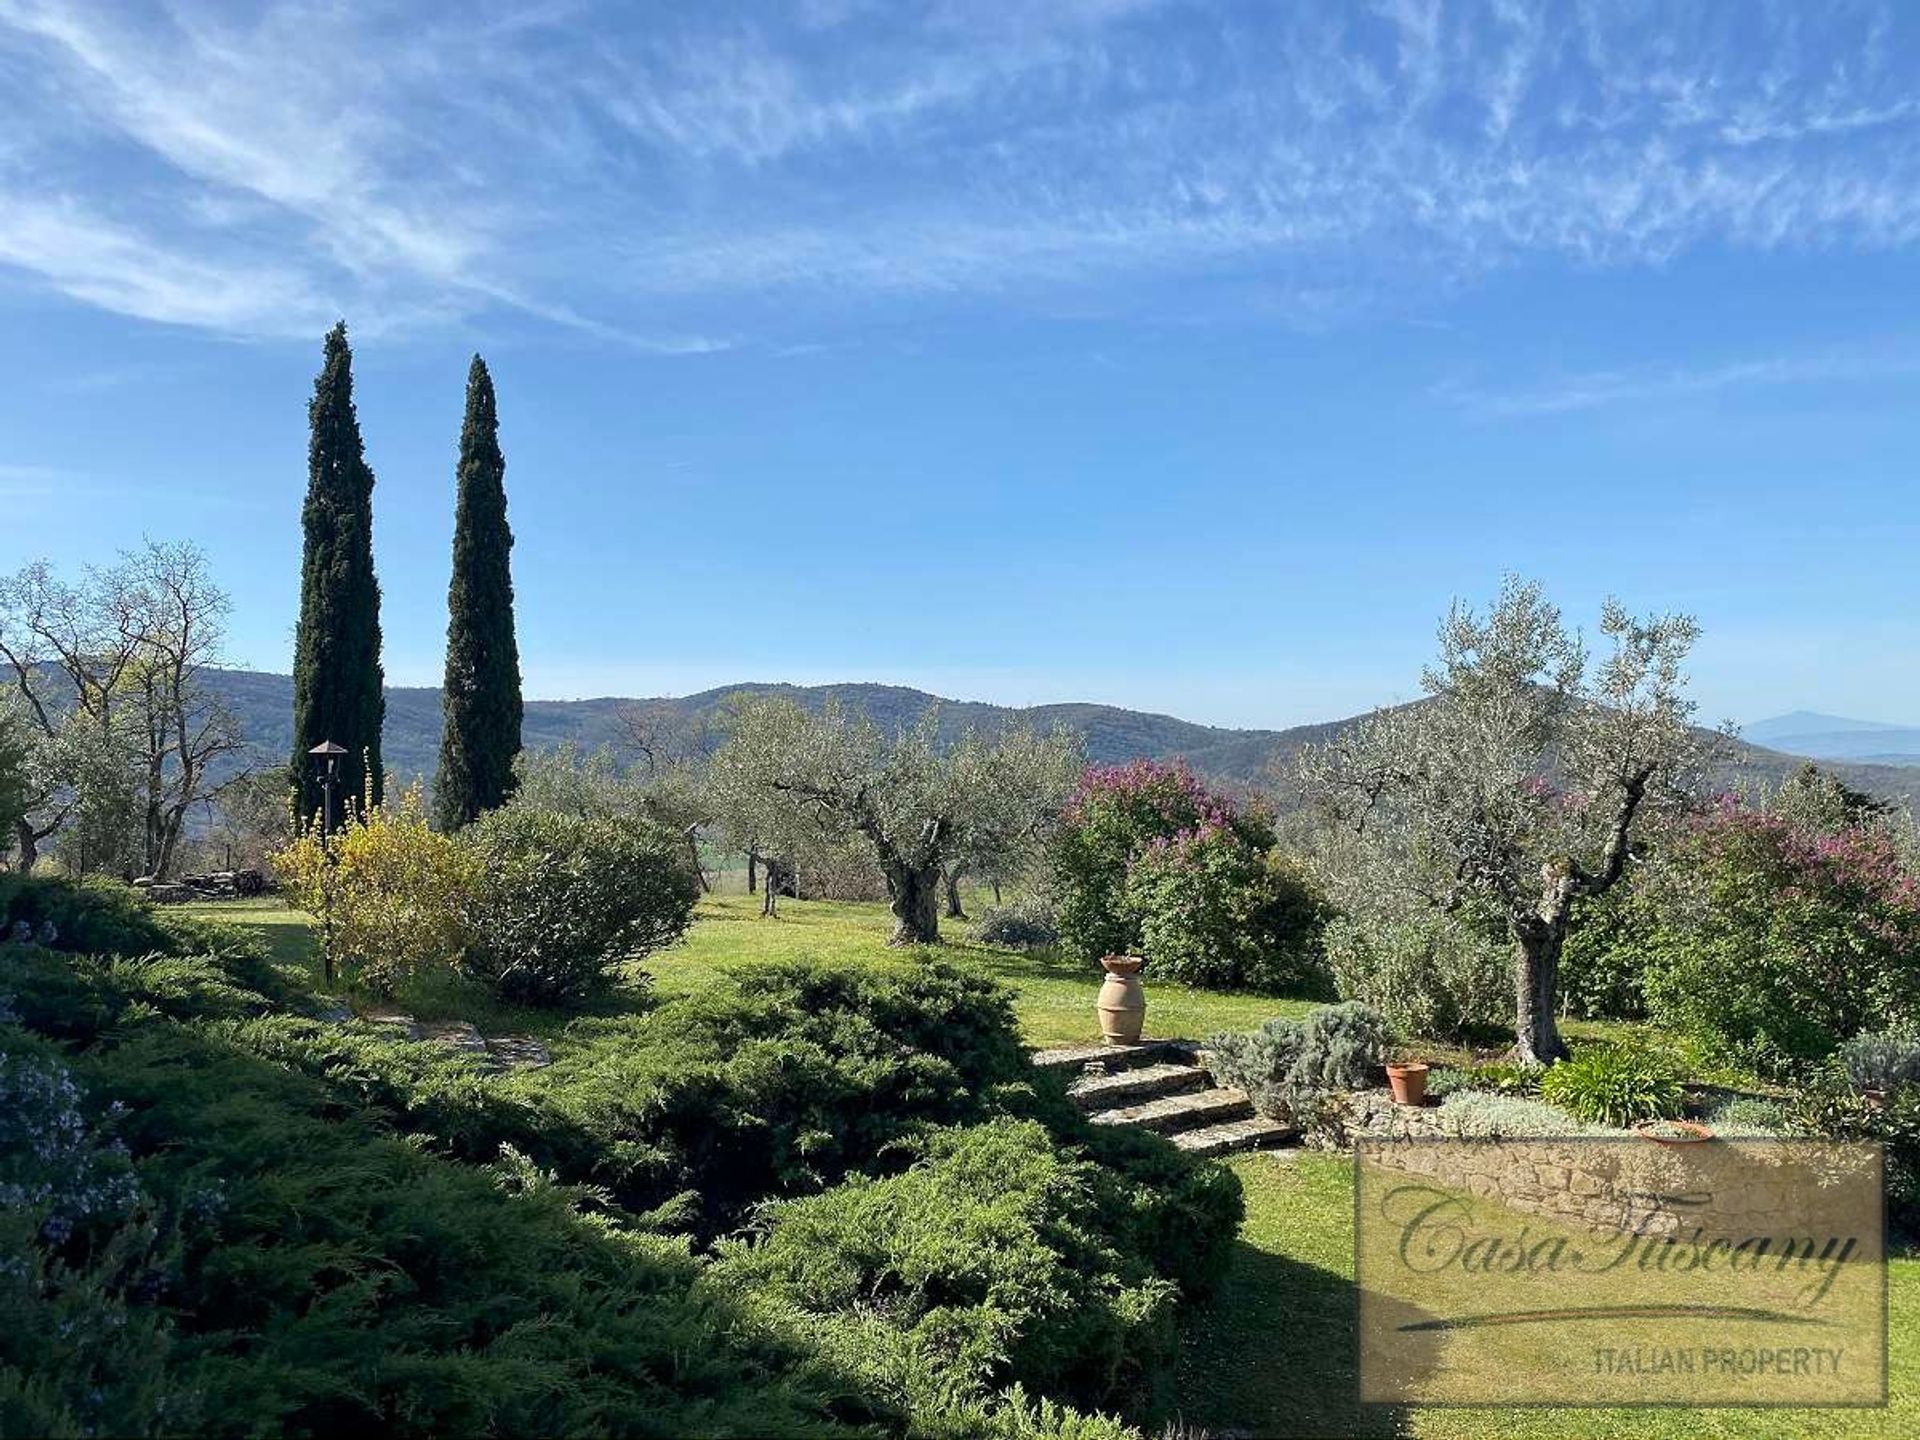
{"x":1673,"y":1132}
{"x":1122,"y":1006}
{"x":1409,"y":1081}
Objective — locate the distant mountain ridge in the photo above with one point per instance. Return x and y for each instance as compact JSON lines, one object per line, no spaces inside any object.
{"x":411,"y":740}
{"x":1836,"y":737}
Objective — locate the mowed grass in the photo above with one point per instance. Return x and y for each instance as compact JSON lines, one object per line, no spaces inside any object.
{"x":288,"y":933}
{"x":1273,"y":1352}
{"x":1054,"y":996}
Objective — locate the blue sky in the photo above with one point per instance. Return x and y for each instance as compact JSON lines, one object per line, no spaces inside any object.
{"x":1183,"y":356}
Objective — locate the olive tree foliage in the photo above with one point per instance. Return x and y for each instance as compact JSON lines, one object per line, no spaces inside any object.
{"x":1515,"y":788}
{"x":1008,"y":834}
{"x":16,"y":747}
{"x":596,"y":785}
{"x":109,"y":675}
{"x":794,"y":779}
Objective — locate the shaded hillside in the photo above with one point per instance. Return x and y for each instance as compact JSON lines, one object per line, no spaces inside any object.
{"x":412,"y":737}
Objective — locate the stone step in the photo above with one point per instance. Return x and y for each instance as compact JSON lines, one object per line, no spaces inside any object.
{"x":1180,"y":1112}
{"x":1255,"y":1133}
{"x":1130,"y":1087}
{"x":1074,"y":1058}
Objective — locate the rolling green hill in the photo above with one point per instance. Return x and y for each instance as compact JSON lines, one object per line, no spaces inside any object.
{"x":412,"y":738}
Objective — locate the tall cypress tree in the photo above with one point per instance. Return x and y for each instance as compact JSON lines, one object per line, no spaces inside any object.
{"x":336,"y":652}
{"x":482,"y":697}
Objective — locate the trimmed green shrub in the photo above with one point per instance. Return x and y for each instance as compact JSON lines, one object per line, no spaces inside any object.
{"x":1614,"y":1085}
{"x":1216,"y":909}
{"x":93,"y":914}
{"x":1429,"y":972}
{"x":983,"y":1262}
{"x":1024,"y":923}
{"x":558,"y":902}
{"x":1882,"y":1060}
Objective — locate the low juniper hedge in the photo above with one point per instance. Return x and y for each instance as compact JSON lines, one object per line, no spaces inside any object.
{"x":285,"y":1263}
{"x":402,"y":1243}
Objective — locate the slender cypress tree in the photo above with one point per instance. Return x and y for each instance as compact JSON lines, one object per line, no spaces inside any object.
{"x":482,"y":696}
{"x":336,"y":651}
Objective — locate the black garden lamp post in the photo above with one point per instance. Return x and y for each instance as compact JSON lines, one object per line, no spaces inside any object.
{"x":326,"y":758}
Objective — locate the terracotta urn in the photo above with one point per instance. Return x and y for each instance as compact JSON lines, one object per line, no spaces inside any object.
{"x":1123,"y":1004}
{"x":1408,"y":1078}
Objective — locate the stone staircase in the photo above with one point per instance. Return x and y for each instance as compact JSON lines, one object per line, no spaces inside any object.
{"x":1160,"y":1085}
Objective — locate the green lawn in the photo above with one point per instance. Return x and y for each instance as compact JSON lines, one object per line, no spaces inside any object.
{"x":1054,"y":996}
{"x":1272,"y":1354}
{"x":287,"y":932}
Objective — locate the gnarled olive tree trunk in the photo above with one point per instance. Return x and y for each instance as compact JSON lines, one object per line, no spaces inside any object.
{"x":1536,"y":981}
{"x":951,"y":883}
{"x":27,"y":847}
{"x":914,"y":876}
{"x":914,"y":898}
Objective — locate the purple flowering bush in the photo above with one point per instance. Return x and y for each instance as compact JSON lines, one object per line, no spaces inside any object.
{"x":1774,"y":938}
{"x":1151,"y":862}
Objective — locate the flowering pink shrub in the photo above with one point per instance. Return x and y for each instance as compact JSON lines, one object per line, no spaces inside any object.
{"x":1775,"y":937}
{"x":1151,"y":862}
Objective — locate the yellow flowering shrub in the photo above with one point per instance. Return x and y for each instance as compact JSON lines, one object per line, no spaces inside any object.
{"x":386,"y":889}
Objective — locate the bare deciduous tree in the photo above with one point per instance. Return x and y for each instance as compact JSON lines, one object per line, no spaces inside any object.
{"x":112,"y":674}
{"x":1519,"y":781}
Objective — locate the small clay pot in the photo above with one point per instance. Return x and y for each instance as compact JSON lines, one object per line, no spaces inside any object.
{"x":1690,"y":1132}
{"x":1122,"y":1005}
{"x":1408,"y":1078}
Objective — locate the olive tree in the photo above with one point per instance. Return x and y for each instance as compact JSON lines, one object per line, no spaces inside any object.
{"x":1010,"y":827}
{"x":791,"y":778}
{"x":1515,"y":788}
{"x":595,"y":785}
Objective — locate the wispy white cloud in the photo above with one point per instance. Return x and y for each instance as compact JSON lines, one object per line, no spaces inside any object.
{"x":1594,"y":389}
{"x":417,"y":165}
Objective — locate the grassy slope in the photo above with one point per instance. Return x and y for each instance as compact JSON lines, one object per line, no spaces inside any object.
{"x":1271,"y":1355}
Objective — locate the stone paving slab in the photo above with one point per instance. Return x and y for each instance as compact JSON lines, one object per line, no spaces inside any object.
{"x":1180,"y":1112}
{"x":1074,"y":1057}
{"x":1130,"y":1087}
{"x":519,"y":1052}
{"x":1236,"y":1135}
{"x":496,"y":1052}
